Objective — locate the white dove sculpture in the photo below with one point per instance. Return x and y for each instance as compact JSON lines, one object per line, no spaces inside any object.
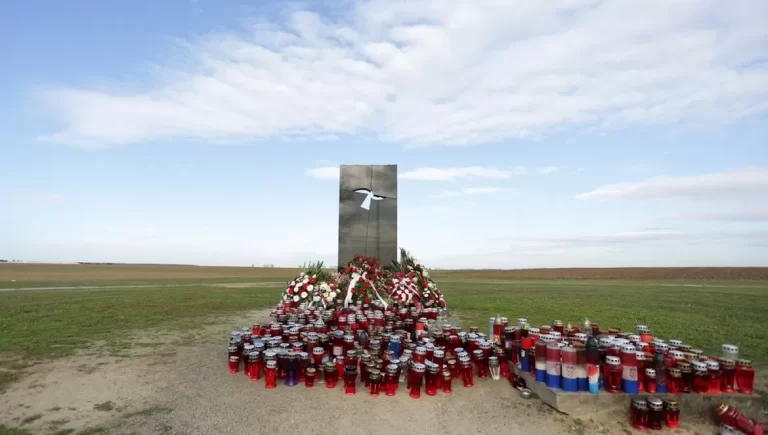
{"x":369,"y":196}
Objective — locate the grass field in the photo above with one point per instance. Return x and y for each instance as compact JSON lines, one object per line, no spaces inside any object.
{"x":44,"y":323}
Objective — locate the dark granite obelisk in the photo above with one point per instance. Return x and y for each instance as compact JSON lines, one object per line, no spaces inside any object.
{"x":368,"y":212}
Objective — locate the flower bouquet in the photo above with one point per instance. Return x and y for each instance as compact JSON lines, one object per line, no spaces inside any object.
{"x":313,"y":287}
{"x":410,"y":283}
{"x":363,"y":279}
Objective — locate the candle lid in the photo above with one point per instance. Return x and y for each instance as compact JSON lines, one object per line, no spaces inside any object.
{"x":234,"y":358}
{"x":662,"y":346}
{"x":712,"y":365}
{"x":676,"y":343}
{"x":418,"y":367}
{"x":639,"y":403}
{"x":555,"y":334}
{"x":439,"y":353}
{"x":655,"y":402}
{"x":675,"y":372}
{"x":640,"y":355}
{"x":744,"y":363}
{"x":650,"y":372}
{"x":392,"y":368}
{"x":271,"y":364}
{"x":628,"y":348}
{"x":697,"y":352}
{"x":311,"y":370}
{"x":699,"y":366}
{"x":612,"y":360}
{"x":254,"y":355}
{"x":725,"y":362}
{"x":730,"y":348}
{"x":671,"y":404}
{"x":465,"y":360}
{"x":676,"y":354}
{"x":641,"y":328}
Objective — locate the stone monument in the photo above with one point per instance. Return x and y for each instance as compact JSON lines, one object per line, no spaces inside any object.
{"x":368,"y":212}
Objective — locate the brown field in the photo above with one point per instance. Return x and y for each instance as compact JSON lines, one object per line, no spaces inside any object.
{"x":65,"y":273}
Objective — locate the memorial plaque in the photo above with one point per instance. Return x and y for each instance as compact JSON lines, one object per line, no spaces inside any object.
{"x":368,"y":212}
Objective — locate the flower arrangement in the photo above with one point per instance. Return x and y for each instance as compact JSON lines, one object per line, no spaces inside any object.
{"x":364,"y":279}
{"x":312,"y":287}
{"x":410,"y":282}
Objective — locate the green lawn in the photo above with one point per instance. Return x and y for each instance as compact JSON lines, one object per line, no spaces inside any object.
{"x":44,"y":323}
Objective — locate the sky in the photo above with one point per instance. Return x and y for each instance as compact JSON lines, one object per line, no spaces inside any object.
{"x":574,"y":133}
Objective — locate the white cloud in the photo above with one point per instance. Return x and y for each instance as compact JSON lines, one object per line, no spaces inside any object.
{"x":472,"y":172}
{"x":634,"y":238}
{"x":448,"y":72}
{"x":719,"y":185}
{"x":546,"y":170}
{"x":324,"y":173}
{"x":472,"y":191}
{"x":756,"y":215}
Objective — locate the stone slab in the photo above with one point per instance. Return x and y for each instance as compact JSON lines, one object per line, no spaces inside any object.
{"x":586,"y":405}
{"x":371,"y":231}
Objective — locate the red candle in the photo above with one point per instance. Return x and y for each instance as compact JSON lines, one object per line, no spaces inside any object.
{"x":732,"y":417}
{"x":639,"y":414}
{"x":612,"y":375}
{"x":432,"y":376}
{"x":557,"y":325}
{"x":481,"y":363}
{"x":234,"y":364}
{"x":270,"y":375}
{"x":745,"y":376}
{"x":309,"y":377}
{"x":417,"y":371}
{"x":331,"y":375}
{"x":447,"y":378}
{"x":375,"y":382}
{"x":700,"y":378}
{"x":391,"y":379}
{"x":728,"y":375}
{"x":686,"y":382}
{"x":338,"y":343}
{"x":655,"y":413}
{"x":350,"y":376}
{"x":254,"y":360}
{"x":672,"y":413}
{"x":420,"y":354}
{"x":713,"y":373}
{"x":340,"y":367}
{"x":467,"y":374}
{"x":675,"y":381}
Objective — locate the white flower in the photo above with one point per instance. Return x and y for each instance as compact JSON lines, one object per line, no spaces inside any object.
{"x":325,"y":287}
{"x":431,"y":285}
{"x":426,"y":274}
{"x":316,"y":299}
{"x":295,"y":298}
{"x":305,"y":280}
{"x":395,"y":280}
{"x":333,"y":295}
{"x":310,"y":288}
{"x":314,"y":276}
{"x":303,"y":295}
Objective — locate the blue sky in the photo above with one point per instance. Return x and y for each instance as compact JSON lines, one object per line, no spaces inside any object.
{"x":528,"y":134}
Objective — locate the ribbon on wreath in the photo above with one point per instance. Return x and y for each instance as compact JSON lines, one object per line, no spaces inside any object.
{"x":356,"y":277}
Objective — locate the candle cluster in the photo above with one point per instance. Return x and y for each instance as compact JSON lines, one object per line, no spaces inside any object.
{"x":653,"y":413}
{"x":382,"y":347}
{"x":590,"y":359}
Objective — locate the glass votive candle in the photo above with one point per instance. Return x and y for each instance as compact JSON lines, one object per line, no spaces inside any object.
{"x":700,"y":377}
{"x":234,"y":364}
{"x":374,"y":378}
{"x":467,"y":373}
{"x":727,"y":377}
{"x":417,"y":377}
{"x":431,"y":379}
{"x":331,"y":375}
{"x":391,"y":379}
{"x":350,"y":376}
{"x":714,"y":374}
{"x":270,"y":375}
{"x":254,"y":360}
{"x":309,"y":377}
{"x":639,"y":413}
{"x":675,"y":381}
{"x":745,"y":376}
{"x":447,"y":379}
{"x":655,"y":413}
{"x":672,"y":413}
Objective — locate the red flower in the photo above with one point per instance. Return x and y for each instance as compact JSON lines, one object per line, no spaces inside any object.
{"x":432,"y":298}
{"x":424,"y":284}
{"x":348,"y":270}
{"x":305,"y":286}
{"x":312,"y":280}
{"x":441,"y":303}
{"x":290,"y":291}
{"x":367,"y":284}
{"x":367,"y":300}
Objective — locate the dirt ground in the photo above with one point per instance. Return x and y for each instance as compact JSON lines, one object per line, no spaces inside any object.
{"x":163,"y":385}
